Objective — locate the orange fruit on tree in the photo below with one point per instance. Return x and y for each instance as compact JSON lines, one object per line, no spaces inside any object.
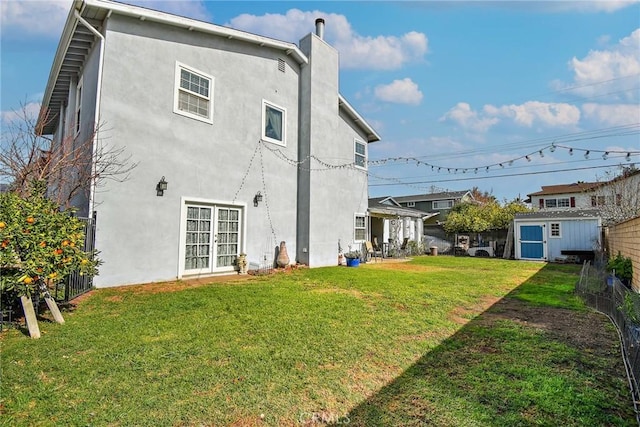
{"x":65,"y":242}
{"x":43,"y":244}
{"x":2,"y":225}
{"x":31,"y":220}
{"x":27,"y":280}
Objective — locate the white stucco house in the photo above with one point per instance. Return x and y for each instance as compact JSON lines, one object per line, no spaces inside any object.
{"x":251,"y":135}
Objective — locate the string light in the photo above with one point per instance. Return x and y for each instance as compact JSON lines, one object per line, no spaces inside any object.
{"x":553,"y":147}
{"x":605,"y":155}
{"x":571,"y":151}
{"x":628,"y":157}
{"x":586,"y":155}
{"x":541,"y":153}
{"x":528,"y":158}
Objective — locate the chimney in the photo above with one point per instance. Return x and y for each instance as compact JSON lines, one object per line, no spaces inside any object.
{"x":320,"y":28}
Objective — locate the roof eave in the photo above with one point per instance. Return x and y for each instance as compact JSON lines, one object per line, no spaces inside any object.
{"x":372,"y":135}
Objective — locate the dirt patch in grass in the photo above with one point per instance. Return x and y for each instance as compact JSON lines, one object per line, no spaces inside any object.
{"x":463,"y":315}
{"x":583,"y":330}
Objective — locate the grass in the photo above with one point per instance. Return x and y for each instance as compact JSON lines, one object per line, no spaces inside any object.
{"x":384,"y":344}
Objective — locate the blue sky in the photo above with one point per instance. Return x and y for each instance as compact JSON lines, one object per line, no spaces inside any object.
{"x":460,"y":92}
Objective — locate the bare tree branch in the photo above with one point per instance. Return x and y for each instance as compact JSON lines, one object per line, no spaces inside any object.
{"x":69,"y":165}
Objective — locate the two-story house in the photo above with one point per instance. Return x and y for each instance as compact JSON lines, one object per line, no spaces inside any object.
{"x":235,"y":135}
{"x":615,"y":199}
{"x":437,"y":204}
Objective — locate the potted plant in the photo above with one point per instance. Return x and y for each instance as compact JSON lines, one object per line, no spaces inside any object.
{"x":622,"y":268}
{"x":353,"y":258}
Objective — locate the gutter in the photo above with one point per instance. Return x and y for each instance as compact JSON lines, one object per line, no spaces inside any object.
{"x":96,"y":121}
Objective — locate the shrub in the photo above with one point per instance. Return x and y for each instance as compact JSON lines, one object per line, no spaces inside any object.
{"x":39,"y":244}
{"x":622,"y":267}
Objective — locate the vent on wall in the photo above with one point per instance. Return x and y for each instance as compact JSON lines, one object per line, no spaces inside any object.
{"x":281,"y":65}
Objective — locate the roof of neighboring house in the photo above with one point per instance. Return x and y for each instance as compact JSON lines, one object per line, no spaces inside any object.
{"x":388,"y":207}
{"x":445,"y":195}
{"x":77,"y":40}
{"x":564,"y":214}
{"x":576,"y":187}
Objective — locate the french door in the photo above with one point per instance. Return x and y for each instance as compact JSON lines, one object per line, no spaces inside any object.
{"x":212,"y":238}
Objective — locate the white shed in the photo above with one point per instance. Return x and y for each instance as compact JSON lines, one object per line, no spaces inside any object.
{"x":552,"y":235}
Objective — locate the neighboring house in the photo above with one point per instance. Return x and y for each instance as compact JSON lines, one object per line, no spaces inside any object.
{"x":391,"y":222}
{"x":241,"y":128}
{"x":554,"y":235}
{"x":616,"y":200}
{"x":438,"y":205}
{"x":564,"y":196}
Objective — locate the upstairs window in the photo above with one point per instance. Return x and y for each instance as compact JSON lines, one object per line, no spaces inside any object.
{"x":360,"y":158}
{"x":78,"y":112}
{"x":193,"y":94}
{"x":442,"y":204}
{"x":274,"y":121}
{"x":411,"y":204}
{"x":597,"y":201}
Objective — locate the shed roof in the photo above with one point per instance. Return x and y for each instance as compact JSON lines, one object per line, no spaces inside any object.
{"x":560,"y":214}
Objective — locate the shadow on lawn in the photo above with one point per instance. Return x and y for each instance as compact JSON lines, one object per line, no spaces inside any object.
{"x":525,"y":360}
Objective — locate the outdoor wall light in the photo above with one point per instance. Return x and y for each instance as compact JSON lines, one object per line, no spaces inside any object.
{"x":257,"y":198}
{"x":161,"y":187}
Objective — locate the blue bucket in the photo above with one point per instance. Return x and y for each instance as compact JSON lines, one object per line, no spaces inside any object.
{"x":353,"y":262}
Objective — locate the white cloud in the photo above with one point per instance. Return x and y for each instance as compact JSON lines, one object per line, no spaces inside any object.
{"x":531,"y":112}
{"x":29,"y":110}
{"x":403,"y":91}
{"x":592,"y":6}
{"x":608,"y":73}
{"x":463,"y":115}
{"x":33,"y":17}
{"x":189,"y":8}
{"x":356,"y":51}
{"x":47,"y":17}
{"x":612,"y":115}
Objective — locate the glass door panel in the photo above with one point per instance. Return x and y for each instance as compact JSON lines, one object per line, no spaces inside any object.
{"x":198,"y":238}
{"x":227,"y":248}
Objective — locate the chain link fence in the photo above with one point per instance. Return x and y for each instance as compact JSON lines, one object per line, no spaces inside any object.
{"x":608,"y":295}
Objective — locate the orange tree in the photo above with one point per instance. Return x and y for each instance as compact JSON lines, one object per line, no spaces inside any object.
{"x":39,"y":244}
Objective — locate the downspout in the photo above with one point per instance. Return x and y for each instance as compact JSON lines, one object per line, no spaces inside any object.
{"x":96,"y":120}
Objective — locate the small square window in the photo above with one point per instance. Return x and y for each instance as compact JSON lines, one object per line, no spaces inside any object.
{"x":555,"y":229}
{"x":360,"y":157}
{"x":411,"y":204}
{"x":274,"y":121}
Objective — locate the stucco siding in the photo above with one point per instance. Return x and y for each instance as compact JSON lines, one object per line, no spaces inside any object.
{"x":222,"y":163}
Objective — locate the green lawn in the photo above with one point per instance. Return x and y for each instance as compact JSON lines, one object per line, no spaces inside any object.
{"x":427,"y":342}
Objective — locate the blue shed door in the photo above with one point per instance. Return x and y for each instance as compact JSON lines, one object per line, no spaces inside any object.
{"x":532,"y":241}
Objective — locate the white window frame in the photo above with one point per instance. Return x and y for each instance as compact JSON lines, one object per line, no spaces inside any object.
{"x":563,"y":202}
{"x":283,"y":110}
{"x":436,"y":204}
{"x":356,"y":227}
{"x":411,"y":204}
{"x":178,"y":89}
{"x":552,"y":232}
{"x":357,"y":155}
{"x":78,"y":109}
{"x":549,"y":202}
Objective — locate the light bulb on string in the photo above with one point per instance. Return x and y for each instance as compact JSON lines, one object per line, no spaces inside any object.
{"x":553,"y":148}
{"x":605,"y":155}
{"x":586,"y":155}
{"x":571,"y":151}
{"x":628,"y":157}
{"x":541,"y":153}
{"x":528,"y":158}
